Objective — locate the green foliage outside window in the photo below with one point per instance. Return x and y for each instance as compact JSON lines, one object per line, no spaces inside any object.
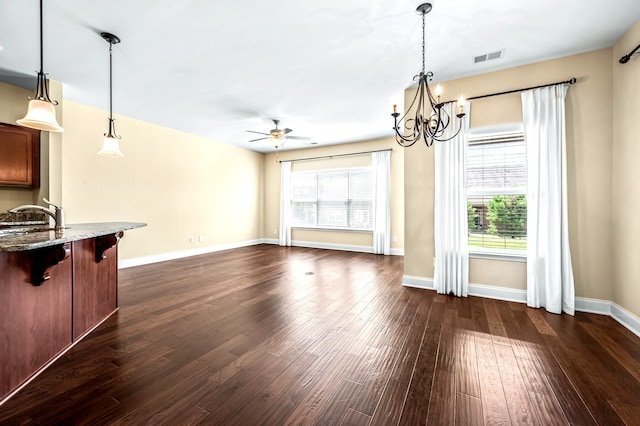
{"x":507,"y":215}
{"x":472,"y":215}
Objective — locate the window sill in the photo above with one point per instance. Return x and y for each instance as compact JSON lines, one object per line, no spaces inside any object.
{"x":506,"y":255}
{"x":318,"y":228}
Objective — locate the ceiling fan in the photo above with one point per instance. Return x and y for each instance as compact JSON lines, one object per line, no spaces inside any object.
{"x":277,"y":136}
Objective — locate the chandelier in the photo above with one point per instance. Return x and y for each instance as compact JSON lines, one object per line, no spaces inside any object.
{"x":429,"y":127}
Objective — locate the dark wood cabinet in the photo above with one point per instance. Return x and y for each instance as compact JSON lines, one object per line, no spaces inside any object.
{"x":50,"y":298}
{"x":19,"y":156}
{"x":35,"y":321}
{"x":95,"y":282}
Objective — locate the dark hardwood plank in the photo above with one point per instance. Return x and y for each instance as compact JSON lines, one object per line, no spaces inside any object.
{"x":494,"y":404}
{"x":466,"y":365}
{"x":355,"y":418}
{"x":415,"y":409}
{"x":246,"y":336}
{"x":391,"y":404}
{"x":468,"y":410}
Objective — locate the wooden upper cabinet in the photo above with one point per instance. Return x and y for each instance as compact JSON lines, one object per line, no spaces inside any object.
{"x":19,"y":156}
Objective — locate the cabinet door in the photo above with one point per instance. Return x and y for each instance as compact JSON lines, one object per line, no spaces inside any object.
{"x":35,"y":321}
{"x":19,"y":156}
{"x":95,"y":283}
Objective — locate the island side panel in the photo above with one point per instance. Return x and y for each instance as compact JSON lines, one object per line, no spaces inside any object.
{"x":35,"y":321}
{"x":95,"y":285}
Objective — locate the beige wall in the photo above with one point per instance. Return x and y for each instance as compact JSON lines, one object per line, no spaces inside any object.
{"x":272,"y":190}
{"x":626,"y":173}
{"x":589,"y":136}
{"x":181,"y":185}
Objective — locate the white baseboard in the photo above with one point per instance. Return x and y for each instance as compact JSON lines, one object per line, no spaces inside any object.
{"x":491,"y":292}
{"x":163,"y":257}
{"x":417,"y":282}
{"x":626,"y":318}
{"x":593,"y":306}
{"x":499,"y":293}
{"x":583,"y":304}
{"x":332,"y":246}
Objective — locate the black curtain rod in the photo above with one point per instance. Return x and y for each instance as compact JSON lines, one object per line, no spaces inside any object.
{"x":626,"y":58}
{"x":570,"y":81}
{"x":336,"y":155}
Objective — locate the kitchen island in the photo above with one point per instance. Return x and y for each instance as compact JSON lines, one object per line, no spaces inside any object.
{"x":56,"y":287}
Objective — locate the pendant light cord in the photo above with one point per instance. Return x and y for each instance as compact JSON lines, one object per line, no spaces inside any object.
{"x":41,"y":42}
{"x":111,"y":39}
{"x":110,"y":81}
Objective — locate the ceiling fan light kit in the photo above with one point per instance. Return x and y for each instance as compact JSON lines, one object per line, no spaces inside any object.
{"x":430,"y":120}
{"x":41,"y":112}
{"x":277,"y":136}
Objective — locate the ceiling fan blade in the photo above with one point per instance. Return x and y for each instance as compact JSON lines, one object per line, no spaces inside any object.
{"x":260,"y":133}
{"x":299,"y":138}
{"x":260,"y":139}
{"x":285,"y":131}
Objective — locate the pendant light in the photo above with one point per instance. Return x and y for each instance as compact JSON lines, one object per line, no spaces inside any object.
{"x":110,"y":144}
{"x":41,"y":113}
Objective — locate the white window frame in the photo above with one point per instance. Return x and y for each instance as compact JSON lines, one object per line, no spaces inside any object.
{"x":330,"y":228}
{"x":480,"y":133}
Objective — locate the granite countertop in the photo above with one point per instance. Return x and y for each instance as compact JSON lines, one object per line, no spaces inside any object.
{"x":23,"y":219}
{"x":20,"y":239}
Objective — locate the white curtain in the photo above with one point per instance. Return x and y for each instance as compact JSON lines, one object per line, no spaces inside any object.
{"x":285,"y":203}
{"x":450,"y":210}
{"x":381,"y":171}
{"x":549,"y":273}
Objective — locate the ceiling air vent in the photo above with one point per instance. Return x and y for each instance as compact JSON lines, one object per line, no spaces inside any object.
{"x":488,"y":56}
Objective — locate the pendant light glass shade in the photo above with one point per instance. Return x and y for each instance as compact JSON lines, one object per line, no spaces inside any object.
{"x":110,"y":147}
{"x":41,"y":115}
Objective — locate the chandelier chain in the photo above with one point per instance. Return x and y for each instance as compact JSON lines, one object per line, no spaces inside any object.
{"x":423,"y":43}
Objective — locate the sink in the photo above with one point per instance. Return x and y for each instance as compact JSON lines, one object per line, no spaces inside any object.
{"x":24,"y":230}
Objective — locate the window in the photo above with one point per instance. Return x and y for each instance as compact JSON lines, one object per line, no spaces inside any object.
{"x":332,"y":199}
{"x":496,"y":192}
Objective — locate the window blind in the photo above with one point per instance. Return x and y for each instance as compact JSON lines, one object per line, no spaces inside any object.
{"x":496,"y":191}
{"x":333,"y":199}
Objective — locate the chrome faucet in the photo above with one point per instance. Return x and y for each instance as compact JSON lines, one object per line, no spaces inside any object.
{"x":57,"y":214}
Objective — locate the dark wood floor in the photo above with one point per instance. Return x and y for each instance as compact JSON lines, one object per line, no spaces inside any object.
{"x":271,"y":335}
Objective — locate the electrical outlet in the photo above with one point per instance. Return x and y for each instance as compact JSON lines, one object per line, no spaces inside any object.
{"x":395,"y":239}
{"x":190,"y":239}
{"x":200,"y":238}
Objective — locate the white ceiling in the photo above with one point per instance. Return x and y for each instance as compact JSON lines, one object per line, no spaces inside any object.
{"x":329,"y":69}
